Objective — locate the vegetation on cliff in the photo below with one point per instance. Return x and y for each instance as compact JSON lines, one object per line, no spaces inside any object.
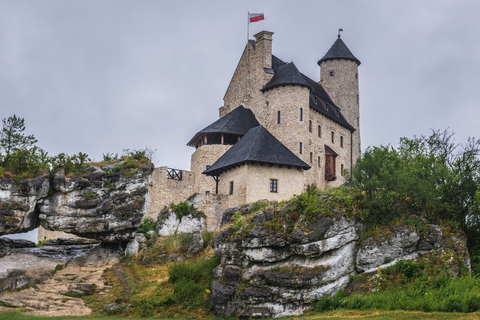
{"x":21,"y":159}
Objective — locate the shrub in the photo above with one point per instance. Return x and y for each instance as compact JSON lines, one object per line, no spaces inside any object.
{"x":146,"y":225}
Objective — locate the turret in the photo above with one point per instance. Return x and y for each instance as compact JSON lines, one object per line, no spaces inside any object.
{"x":339,"y":77}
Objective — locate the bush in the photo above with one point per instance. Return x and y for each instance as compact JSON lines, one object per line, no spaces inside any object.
{"x":182,"y":209}
{"x":147,"y":225}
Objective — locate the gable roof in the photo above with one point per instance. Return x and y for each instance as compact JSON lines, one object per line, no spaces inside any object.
{"x":258,"y":145}
{"x":286,"y":74}
{"x":339,"y":50}
{"x":238,"y":121}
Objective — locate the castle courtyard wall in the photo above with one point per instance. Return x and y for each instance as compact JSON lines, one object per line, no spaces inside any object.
{"x":164,"y":191}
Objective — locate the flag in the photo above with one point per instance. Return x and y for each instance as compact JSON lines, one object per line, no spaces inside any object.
{"x":254,"y":17}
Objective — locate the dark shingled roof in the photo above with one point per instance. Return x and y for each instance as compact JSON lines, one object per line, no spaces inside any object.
{"x":287,"y":74}
{"x":258,"y":145}
{"x":238,"y":121}
{"x":318,"y":96}
{"x":339,"y":50}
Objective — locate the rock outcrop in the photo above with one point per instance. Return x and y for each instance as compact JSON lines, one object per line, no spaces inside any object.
{"x":277,"y":261}
{"x":169,"y":223}
{"x":106,"y":203}
{"x":18,"y":203}
{"x":59,"y":269}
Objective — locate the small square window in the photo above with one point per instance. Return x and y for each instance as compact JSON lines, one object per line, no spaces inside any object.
{"x":207,"y":192}
{"x":231,"y":188}
{"x":273,"y":185}
{"x":332,"y":73}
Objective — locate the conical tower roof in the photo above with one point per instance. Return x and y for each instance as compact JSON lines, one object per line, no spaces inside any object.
{"x":287,"y":74}
{"x":339,"y":50}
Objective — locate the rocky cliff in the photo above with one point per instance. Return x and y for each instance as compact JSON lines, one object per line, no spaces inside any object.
{"x":277,"y":260}
{"x":107,"y":201}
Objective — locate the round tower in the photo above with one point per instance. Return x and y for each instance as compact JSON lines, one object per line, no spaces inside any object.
{"x":339,"y":77}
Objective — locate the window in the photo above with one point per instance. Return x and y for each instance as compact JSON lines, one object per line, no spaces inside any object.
{"x":300,"y":115}
{"x":333,"y":137}
{"x":279,"y":117}
{"x":273,"y":185}
{"x":341,"y":141}
{"x":300,"y":145}
{"x":319,"y":131}
{"x":319,"y":163}
{"x":341,"y":170}
{"x":231,"y":188}
{"x":358,"y":100}
{"x":310,"y":125}
{"x":332,"y":73}
{"x":311,"y":157}
{"x":207,"y":192}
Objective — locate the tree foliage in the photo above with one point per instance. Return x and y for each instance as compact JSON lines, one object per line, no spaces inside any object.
{"x":431,"y":175}
{"x":13,"y":138}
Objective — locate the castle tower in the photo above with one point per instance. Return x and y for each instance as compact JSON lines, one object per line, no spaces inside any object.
{"x":339,"y":77}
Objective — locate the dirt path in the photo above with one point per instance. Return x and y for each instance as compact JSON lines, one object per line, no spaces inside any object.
{"x":119,"y":271}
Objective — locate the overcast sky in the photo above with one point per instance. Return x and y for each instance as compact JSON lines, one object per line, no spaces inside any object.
{"x":103,"y":76}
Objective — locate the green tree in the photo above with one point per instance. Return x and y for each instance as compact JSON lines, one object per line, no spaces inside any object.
{"x":12,"y":137}
{"x":431,"y":175}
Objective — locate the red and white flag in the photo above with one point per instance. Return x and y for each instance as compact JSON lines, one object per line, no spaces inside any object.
{"x":254,"y":17}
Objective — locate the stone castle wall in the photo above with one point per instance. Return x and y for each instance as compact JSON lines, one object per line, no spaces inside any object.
{"x":249,"y":77}
{"x":164,"y":191}
{"x":203,"y":156}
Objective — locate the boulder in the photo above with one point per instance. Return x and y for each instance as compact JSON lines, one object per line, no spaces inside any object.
{"x":195,"y":244}
{"x":169,"y":224}
{"x":18,"y":203}
{"x":106,"y":203}
{"x":132,"y":248}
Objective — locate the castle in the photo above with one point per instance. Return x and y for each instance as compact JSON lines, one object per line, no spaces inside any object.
{"x":277,"y":132}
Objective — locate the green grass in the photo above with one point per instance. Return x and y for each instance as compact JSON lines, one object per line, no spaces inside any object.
{"x":333,"y":315}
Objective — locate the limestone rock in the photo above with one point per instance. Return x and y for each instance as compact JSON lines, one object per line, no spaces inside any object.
{"x":194,"y":200}
{"x":106,"y":204}
{"x":270,"y":270}
{"x":18,"y":203}
{"x":375,"y":252}
{"x":195,"y":244}
{"x":132,"y":248}
{"x":169,"y":224}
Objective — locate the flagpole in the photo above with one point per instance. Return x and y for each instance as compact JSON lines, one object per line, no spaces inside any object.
{"x":248,"y":55}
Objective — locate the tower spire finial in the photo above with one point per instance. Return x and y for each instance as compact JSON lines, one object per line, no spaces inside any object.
{"x":339,"y":30}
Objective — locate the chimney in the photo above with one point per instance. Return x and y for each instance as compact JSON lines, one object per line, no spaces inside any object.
{"x":263,"y":48}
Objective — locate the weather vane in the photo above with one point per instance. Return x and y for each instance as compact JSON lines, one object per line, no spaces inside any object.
{"x":339,"y":30}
